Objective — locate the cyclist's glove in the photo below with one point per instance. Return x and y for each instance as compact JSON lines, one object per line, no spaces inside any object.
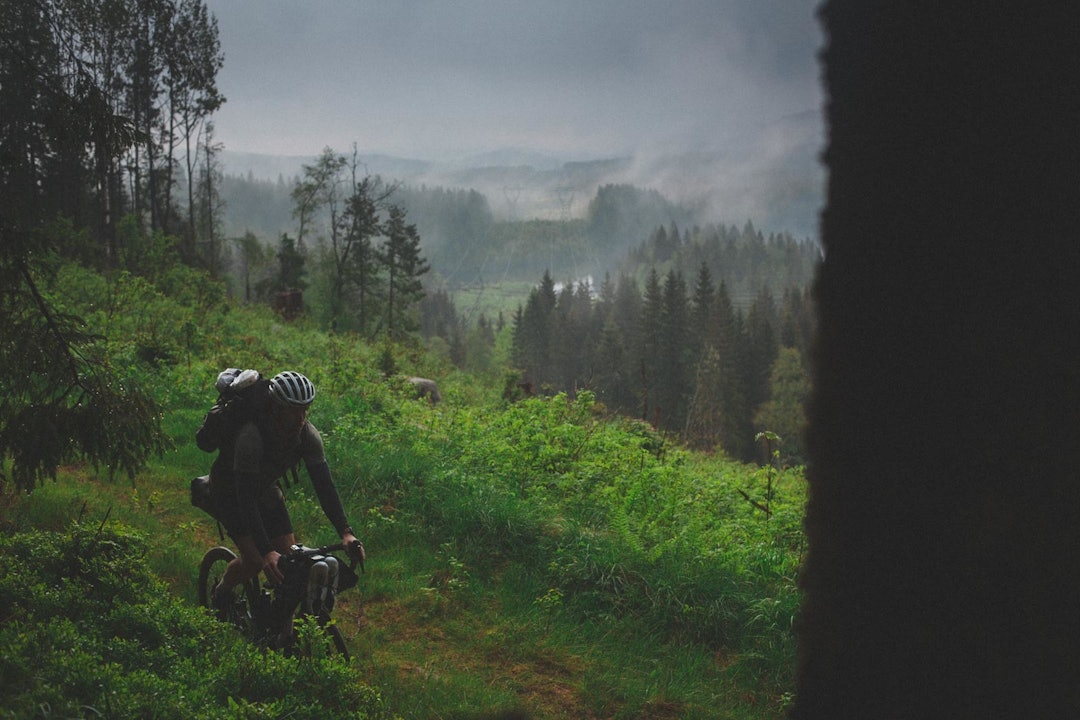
{"x":356,"y":553}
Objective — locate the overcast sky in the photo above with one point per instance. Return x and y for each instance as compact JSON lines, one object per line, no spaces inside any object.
{"x":438,"y":79}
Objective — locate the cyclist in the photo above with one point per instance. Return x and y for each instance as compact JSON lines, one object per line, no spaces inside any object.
{"x":243,"y":483}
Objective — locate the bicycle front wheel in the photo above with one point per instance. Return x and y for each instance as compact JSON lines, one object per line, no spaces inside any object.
{"x":211,"y":570}
{"x":337,"y":640}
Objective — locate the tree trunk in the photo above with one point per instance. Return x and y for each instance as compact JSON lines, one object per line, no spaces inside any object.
{"x":943,"y":572}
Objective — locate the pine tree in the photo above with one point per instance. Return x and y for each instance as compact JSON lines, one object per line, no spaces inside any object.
{"x":762,"y":348}
{"x":673,"y":372}
{"x":480,"y":346}
{"x":626,"y":311}
{"x":207,"y":217}
{"x":611,"y":379}
{"x":797,"y":321}
{"x":332,"y":197}
{"x":533,"y":334}
{"x":702,"y":309}
{"x":647,"y":353}
{"x":784,"y":412}
{"x":291,"y":265}
{"x":401,"y":260}
{"x":192,"y":58}
{"x":718,"y":412}
{"x":438,"y":314}
{"x":706,"y":419}
{"x":616,"y":366}
{"x":573,"y":337}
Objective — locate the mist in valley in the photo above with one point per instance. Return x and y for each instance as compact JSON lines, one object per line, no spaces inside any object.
{"x":714,"y":106}
{"x":773,"y":181}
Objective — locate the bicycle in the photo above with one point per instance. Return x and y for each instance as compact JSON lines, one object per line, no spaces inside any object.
{"x":268,"y":614}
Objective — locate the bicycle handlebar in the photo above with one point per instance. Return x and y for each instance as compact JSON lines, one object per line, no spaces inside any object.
{"x":299,"y":551}
{"x":308,"y":552}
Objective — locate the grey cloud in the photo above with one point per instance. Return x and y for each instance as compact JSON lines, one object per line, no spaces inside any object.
{"x":559,"y":76}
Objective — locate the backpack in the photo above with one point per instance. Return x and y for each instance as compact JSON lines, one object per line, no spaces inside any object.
{"x":242,"y":397}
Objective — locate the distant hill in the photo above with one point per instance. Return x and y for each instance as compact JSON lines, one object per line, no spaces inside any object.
{"x":773,"y":178}
{"x":271,"y":167}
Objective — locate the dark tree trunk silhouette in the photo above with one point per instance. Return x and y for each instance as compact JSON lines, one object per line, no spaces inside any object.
{"x":943,"y":572}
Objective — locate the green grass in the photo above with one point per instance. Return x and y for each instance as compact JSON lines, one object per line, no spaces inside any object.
{"x":90,"y":631}
{"x":446,"y":637}
{"x":491,"y":299}
{"x":530,"y":560}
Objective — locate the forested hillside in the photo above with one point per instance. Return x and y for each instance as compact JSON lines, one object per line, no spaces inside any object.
{"x":686,"y":360}
{"x":682,"y":328}
{"x":616,"y":230}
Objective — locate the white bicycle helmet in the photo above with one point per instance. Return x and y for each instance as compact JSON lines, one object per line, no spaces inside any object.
{"x":292,"y":389}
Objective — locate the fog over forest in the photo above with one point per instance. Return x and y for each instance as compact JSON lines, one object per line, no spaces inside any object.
{"x":774,"y":181}
{"x":716,"y":104}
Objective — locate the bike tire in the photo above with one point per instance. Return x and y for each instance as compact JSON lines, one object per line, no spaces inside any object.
{"x":335,"y":641}
{"x":211,"y":569}
{"x":338,"y":640}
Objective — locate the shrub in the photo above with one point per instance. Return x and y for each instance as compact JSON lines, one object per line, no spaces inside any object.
{"x":90,"y":631}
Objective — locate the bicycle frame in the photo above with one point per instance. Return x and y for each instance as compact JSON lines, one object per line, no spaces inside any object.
{"x":313,"y":577}
{"x":309,"y":588}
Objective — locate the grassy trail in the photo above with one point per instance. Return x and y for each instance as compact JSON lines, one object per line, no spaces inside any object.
{"x":444,"y":631}
{"x":435,"y":648}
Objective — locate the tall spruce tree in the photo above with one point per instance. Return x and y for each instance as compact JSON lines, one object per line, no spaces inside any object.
{"x":673,"y":376}
{"x":797,"y":321}
{"x":762,"y":348}
{"x":360,"y":286}
{"x":706,"y":421}
{"x":533,"y":334}
{"x":572,"y":346}
{"x":401,"y":260}
{"x":192,"y":57}
{"x":611,"y":379}
{"x":480,"y":346}
{"x":702,"y":309}
{"x":291,"y":265}
{"x":784,"y":412}
{"x":648,"y":350}
{"x":719,"y":414}
{"x":614,"y":371}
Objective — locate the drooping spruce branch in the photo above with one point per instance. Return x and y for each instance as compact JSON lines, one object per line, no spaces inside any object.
{"x":65,"y":405}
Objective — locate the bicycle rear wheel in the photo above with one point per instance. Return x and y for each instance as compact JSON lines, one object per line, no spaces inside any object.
{"x":211,"y":570}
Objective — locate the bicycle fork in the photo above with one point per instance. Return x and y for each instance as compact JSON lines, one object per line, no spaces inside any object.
{"x":314,"y":597}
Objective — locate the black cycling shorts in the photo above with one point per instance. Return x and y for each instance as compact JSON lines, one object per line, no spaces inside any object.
{"x":275,"y":516}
